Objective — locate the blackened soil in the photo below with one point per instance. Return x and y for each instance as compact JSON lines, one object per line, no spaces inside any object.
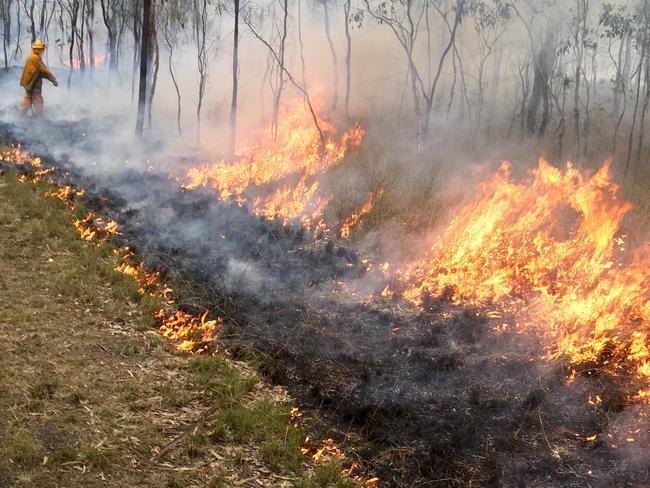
{"x":438,"y":398}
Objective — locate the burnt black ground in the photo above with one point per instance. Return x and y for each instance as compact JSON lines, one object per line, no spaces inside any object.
{"x":439,"y":397}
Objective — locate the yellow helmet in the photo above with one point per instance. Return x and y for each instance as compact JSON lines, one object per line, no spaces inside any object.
{"x":38,"y":44}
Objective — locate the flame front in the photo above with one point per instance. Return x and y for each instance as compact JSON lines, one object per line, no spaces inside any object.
{"x":549,"y":249}
{"x":282,"y":169}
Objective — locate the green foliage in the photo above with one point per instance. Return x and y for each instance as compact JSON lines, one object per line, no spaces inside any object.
{"x":616,"y":21}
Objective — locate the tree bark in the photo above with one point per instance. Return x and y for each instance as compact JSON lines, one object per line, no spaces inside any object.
{"x":235,"y":75}
{"x":348,"y":58}
{"x":144,"y":60}
{"x":281,"y":70}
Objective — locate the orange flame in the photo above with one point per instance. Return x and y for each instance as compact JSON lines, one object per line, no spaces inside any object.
{"x":76,"y":62}
{"x":284,"y":169}
{"x":549,"y":247}
{"x":356,"y":217}
{"x":193,"y":334}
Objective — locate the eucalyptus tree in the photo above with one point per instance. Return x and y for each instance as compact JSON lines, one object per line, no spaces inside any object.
{"x":172,"y":19}
{"x":403,"y":18}
{"x":5,"y":11}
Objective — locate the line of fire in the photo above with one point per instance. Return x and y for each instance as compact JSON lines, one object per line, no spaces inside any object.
{"x":430,"y":218}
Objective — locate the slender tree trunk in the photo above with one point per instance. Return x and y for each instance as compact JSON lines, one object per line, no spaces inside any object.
{"x":19,"y":31}
{"x":452,"y":88}
{"x":335,"y":63}
{"x":137,"y":48}
{"x":235,"y":76}
{"x":201,"y":12}
{"x":452,"y":41}
{"x":80,"y":38}
{"x":281,"y":70}
{"x":30,"y":16}
{"x":348,"y":58}
{"x":579,"y":42}
{"x":142,"y":92}
{"x":636,"y":110}
{"x":41,"y":23}
{"x":155,"y":56}
{"x":175,"y":82}
{"x":6,"y":38}
{"x":90,"y":20}
{"x":619,"y":87}
{"x":302,"y":45}
{"x":74,"y":13}
{"x":646,"y":99}
{"x":562,"y":124}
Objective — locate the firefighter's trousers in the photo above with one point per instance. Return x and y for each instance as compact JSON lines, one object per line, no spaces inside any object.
{"x":33,"y":100}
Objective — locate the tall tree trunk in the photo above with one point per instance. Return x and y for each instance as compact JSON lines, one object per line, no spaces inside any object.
{"x":579,"y":47}
{"x":30,"y":15}
{"x":452,"y":41}
{"x":348,"y":57}
{"x":137,"y":47}
{"x":90,"y":21}
{"x":542,"y":67}
{"x":154,"y":55}
{"x":170,"y":45}
{"x":335,"y":62}
{"x":41,"y":23}
{"x":281,"y":70}
{"x":644,"y":110}
{"x":144,"y":59}
{"x":6,"y":38}
{"x":19,"y":31}
{"x":302,"y":45}
{"x":235,"y":76}
{"x":201,"y":13}
{"x":74,"y":14}
{"x":619,"y":85}
{"x":636,"y":110}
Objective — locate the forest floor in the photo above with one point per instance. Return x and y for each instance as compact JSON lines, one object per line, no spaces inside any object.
{"x":91,"y":395}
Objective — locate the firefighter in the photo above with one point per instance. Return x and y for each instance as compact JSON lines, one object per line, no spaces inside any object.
{"x":32,"y":80}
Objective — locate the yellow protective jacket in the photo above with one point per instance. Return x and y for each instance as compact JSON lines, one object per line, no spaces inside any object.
{"x":34,"y":72}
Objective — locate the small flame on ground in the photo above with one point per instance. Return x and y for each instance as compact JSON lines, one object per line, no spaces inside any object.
{"x":354,"y":219}
{"x":190,"y":333}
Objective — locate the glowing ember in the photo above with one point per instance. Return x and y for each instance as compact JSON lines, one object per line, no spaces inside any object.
{"x":283,"y":169}
{"x":549,"y":249}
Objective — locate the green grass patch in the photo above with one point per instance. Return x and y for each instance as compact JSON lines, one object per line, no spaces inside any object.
{"x":327,"y":475}
{"x":220,"y":380}
{"x":22,"y":448}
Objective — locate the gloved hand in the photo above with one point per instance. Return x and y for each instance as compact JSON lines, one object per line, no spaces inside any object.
{"x":55,"y":83}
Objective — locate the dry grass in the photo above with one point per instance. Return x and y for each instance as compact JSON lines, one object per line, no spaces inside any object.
{"x":91,"y":395}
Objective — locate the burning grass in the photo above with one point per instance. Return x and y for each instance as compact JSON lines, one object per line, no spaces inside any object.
{"x":93,"y":395}
{"x":542,"y":257}
{"x":279,"y":177}
{"x":550,"y":251}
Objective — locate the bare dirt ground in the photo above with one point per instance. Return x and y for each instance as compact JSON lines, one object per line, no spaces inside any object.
{"x":91,"y":396}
